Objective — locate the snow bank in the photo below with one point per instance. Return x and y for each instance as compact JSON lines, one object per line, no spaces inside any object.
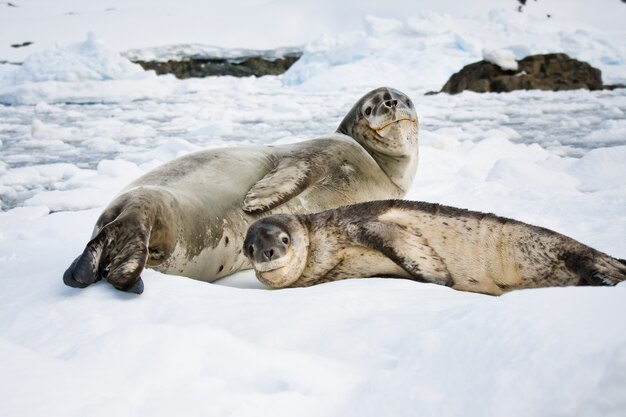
{"x":388,"y":52}
{"x":85,"y":61}
{"x":79,"y":73}
{"x":415,"y":46}
{"x":425,"y":48}
{"x":602,"y":169}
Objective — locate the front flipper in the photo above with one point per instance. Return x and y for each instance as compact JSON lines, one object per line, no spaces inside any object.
{"x":290,"y":177}
{"x":408,"y":250}
{"x":75,"y":278}
{"x":118,"y":252}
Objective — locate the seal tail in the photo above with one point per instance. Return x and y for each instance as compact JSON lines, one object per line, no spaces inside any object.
{"x":118,"y":252}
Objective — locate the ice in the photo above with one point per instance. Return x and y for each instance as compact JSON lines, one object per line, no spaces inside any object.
{"x":85,"y":61}
{"x":602,"y":169}
{"x":530,"y":177}
{"x":84,"y":72}
{"x":425,"y":48}
{"x":84,"y":122}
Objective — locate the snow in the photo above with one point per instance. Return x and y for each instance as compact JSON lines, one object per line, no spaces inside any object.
{"x":503,"y":58}
{"x":79,"y":121}
{"x":424,"y":49}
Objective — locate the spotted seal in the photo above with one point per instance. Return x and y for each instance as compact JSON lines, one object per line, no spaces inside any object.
{"x":189,"y":216}
{"x":463,"y":249}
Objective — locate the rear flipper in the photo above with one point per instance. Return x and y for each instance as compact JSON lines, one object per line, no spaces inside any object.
{"x":118,"y":252}
{"x":606,"y":271}
{"x":598,"y":279}
{"x":76,"y":276}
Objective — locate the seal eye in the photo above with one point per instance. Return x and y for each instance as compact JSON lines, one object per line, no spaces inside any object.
{"x":408,"y":102}
{"x":285,"y":240}
{"x":368,"y":111}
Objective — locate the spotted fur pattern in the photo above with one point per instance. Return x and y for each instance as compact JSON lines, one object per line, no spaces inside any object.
{"x":467,"y":250}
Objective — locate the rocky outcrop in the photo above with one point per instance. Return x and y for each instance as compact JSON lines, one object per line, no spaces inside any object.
{"x":205,"y":67}
{"x":554,"y":72}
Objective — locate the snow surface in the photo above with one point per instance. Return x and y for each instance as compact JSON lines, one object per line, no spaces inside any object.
{"x":79,"y":121}
{"x":503,"y":58}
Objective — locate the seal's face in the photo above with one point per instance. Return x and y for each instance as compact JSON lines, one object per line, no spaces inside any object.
{"x":277,"y":248}
{"x":385,"y":121}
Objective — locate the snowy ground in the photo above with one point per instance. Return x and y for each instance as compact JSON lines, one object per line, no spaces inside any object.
{"x":79,"y":122}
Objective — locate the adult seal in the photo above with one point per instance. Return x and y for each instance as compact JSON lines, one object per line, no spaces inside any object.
{"x":189,"y":216}
{"x":463,"y":249}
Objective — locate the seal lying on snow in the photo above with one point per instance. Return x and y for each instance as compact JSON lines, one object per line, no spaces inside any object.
{"x":463,"y":249}
{"x":189,"y":216}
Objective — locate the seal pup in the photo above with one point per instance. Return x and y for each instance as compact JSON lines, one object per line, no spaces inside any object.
{"x":189,"y":216}
{"x":463,"y":249}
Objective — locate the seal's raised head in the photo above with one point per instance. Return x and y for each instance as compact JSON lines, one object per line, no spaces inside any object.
{"x":384,"y":122}
{"x":277,"y":248}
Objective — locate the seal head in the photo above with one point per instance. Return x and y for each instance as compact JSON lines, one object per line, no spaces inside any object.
{"x":277,"y":248}
{"x":385,"y":123}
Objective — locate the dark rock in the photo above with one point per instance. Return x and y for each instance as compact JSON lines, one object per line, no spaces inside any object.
{"x":552,"y":72}
{"x":613,"y":86}
{"x":205,"y":67}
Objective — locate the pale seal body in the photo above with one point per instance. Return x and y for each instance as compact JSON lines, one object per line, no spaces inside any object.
{"x":189,"y":216}
{"x":464,"y":249}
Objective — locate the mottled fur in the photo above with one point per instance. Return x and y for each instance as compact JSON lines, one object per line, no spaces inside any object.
{"x":467,"y":250}
{"x":189,"y":216}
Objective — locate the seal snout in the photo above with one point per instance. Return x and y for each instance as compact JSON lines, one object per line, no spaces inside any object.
{"x":266,"y":244}
{"x":388,"y":107}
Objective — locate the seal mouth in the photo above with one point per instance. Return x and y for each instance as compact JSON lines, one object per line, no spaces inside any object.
{"x":404,"y":119}
{"x":271,"y":265}
{"x":274,"y":278}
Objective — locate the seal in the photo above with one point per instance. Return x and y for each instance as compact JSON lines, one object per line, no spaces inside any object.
{"x":463,"y":249}
{"x":189,"y":216}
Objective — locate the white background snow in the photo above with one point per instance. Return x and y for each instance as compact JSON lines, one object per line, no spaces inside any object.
{"x":78,"y":121}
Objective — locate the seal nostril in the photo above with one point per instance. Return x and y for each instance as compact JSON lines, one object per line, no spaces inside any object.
{"x":391,"y":103}
{"x":251,"y":250}
{"x":268,"y":254}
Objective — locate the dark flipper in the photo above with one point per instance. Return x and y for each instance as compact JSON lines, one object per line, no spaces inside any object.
{"x":136,"y":288}
{"x":84,"y":270}
{"x":118,"y":252}
{"x":603,"y":270}
{"x":599,"y":279}
{"x":68,"y":276}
